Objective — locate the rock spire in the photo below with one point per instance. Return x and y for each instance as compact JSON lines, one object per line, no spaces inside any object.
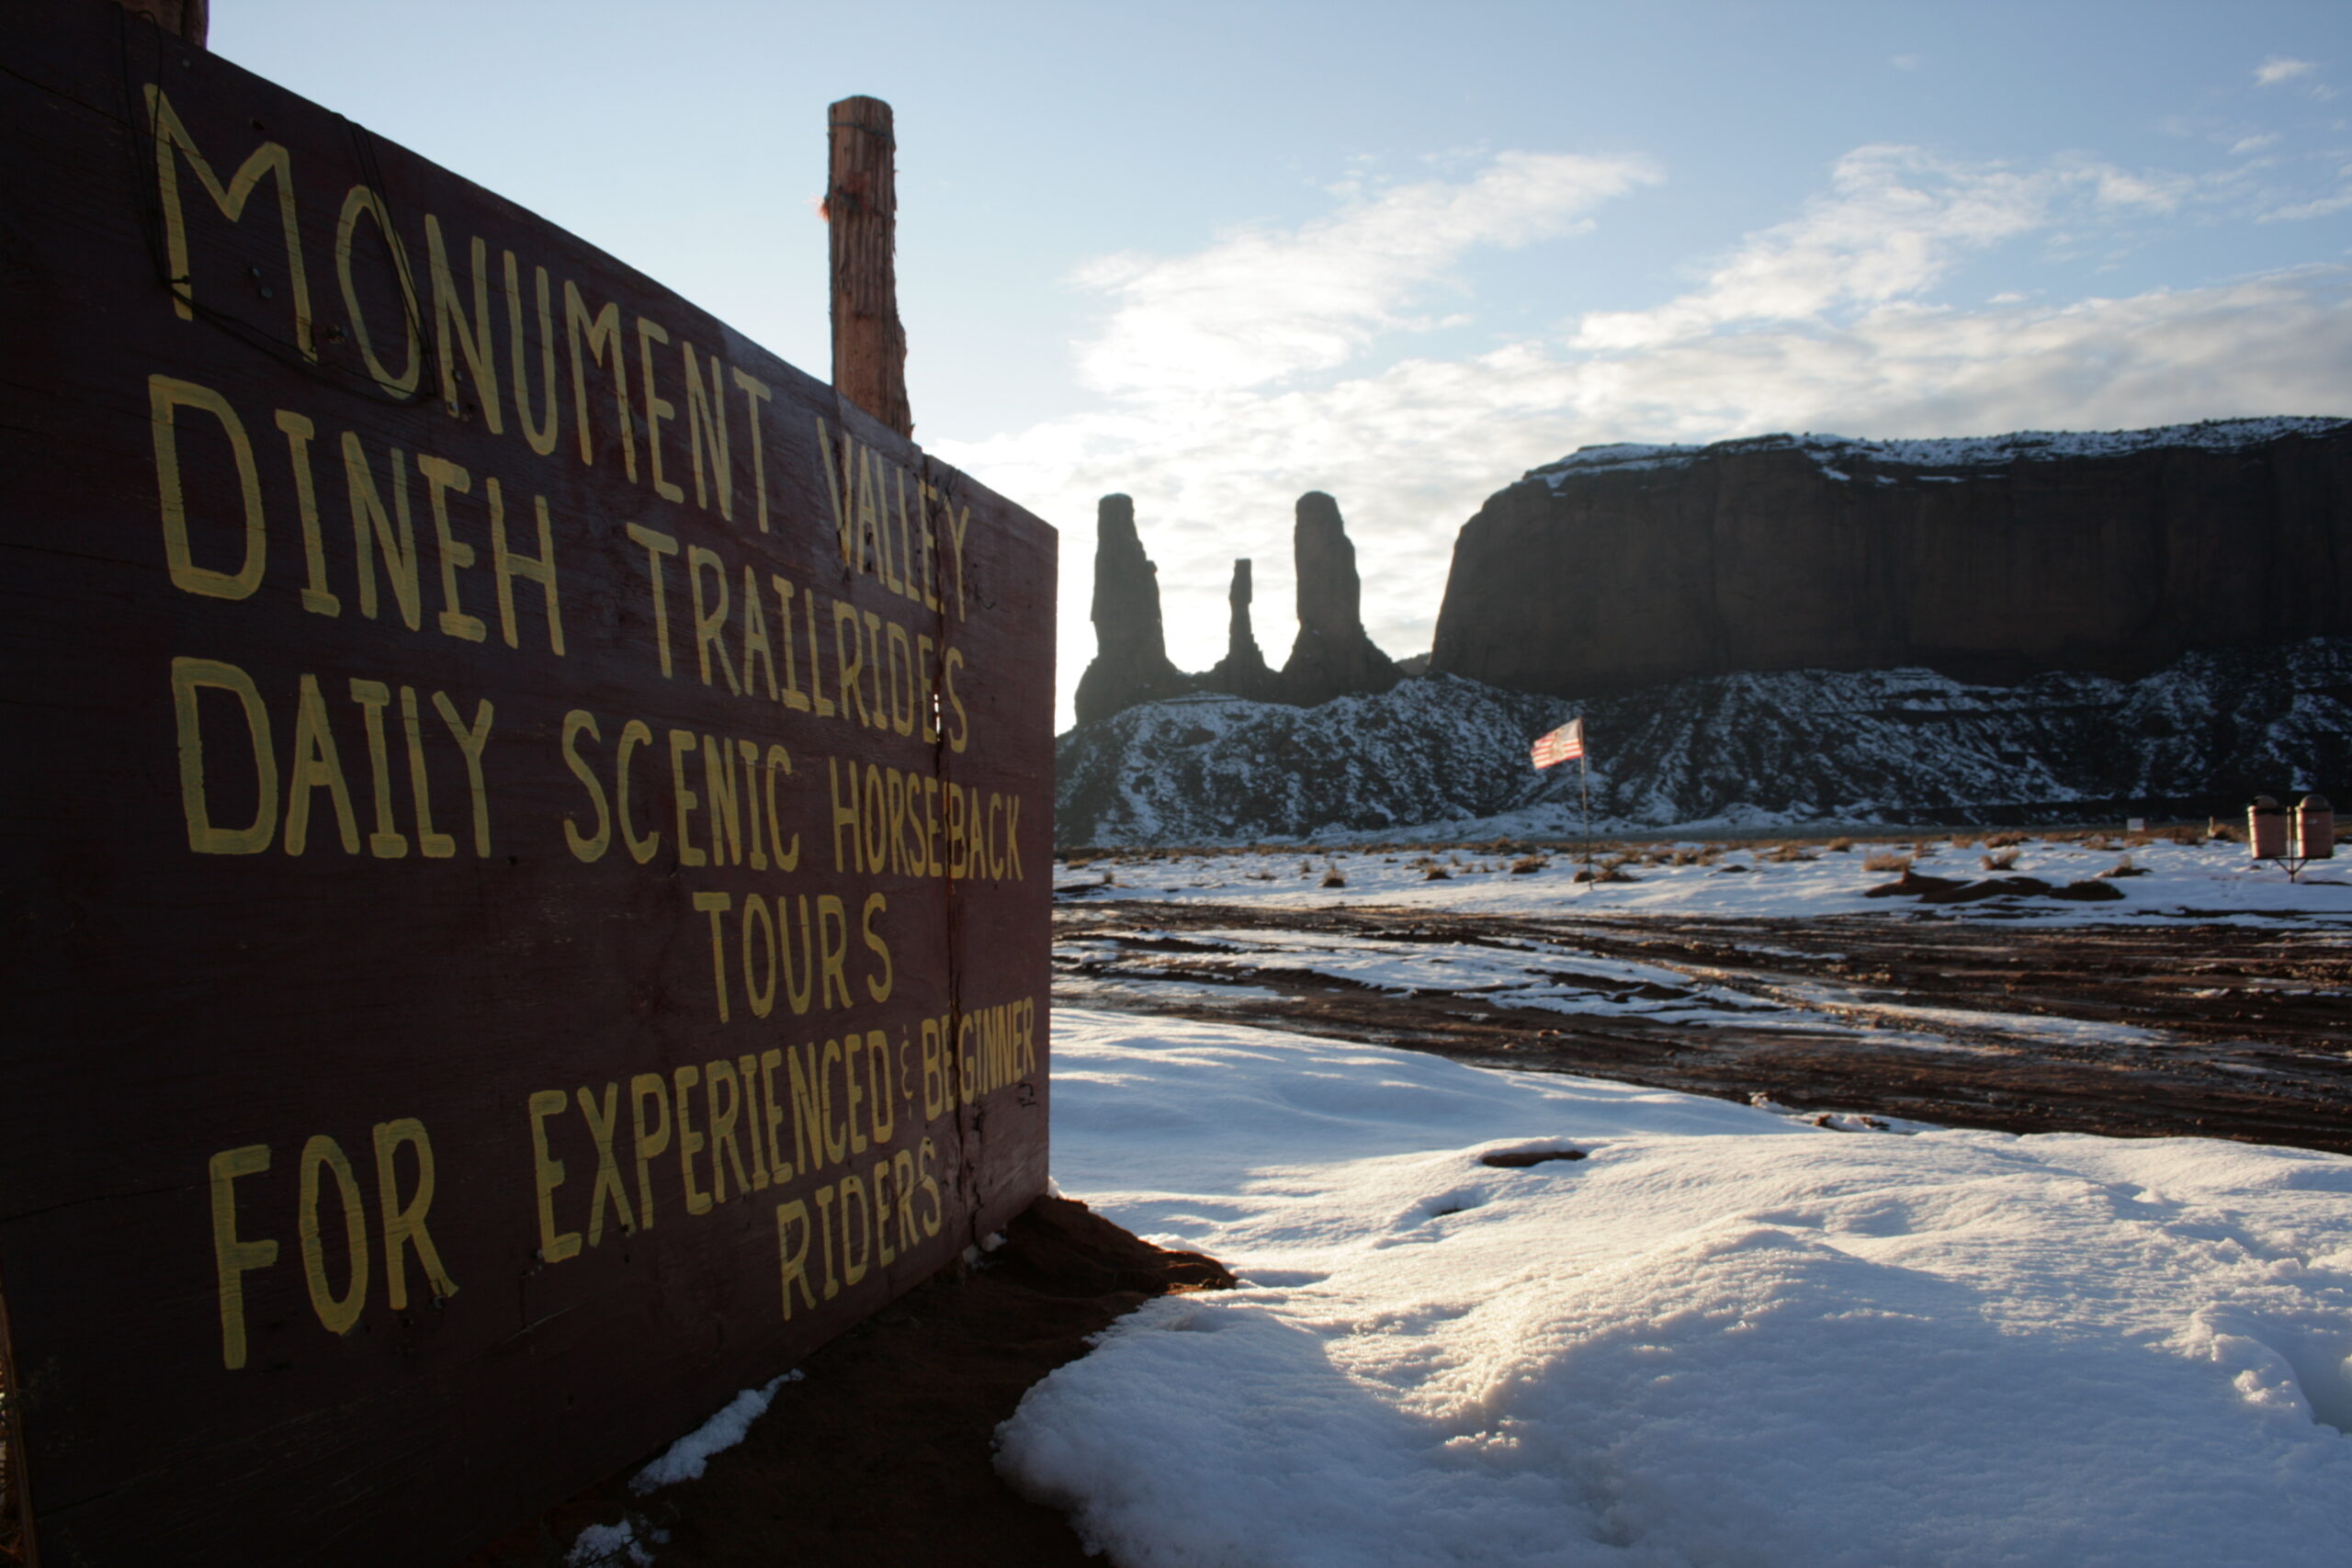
{"x":1131,"y":650}
{"x":1242,"y":672}
{"x":1332,"y":656}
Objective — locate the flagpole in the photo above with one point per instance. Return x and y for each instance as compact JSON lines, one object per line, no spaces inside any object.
{"x":1584,"y":790}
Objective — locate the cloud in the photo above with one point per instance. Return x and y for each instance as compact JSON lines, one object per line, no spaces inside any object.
{"x":1893,"y":223}
{"x":2297,"y":212}
{"x":1828,"y":322}
{"x":2281,"y":68}
{"x":1261,"y":305}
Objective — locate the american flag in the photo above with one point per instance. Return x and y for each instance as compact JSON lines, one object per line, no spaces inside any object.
{"x":1565,"y":744}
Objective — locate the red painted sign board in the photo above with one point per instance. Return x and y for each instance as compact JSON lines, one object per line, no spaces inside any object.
{"x":527,"y":826}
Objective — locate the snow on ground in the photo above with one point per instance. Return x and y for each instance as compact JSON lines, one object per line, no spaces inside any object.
{"x":2178,"y":882}
{"x":1722,"y":1338}
{"x":1518,"y":975}
{"x":686,"y":1459}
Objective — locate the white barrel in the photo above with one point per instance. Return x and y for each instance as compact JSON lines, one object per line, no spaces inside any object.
{"x":2265,"y":828}
{"x":2314,"y":829}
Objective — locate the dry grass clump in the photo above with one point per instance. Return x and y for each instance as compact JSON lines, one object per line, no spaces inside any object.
{"x":2228,"y":833}
{"x":1332,"y":878}
{"x":1887,"y":860}
{"x":1786,"y":854}
{"x":2181,"y":833}
{"x":1963,"y":841}
{"x":2003,"y":840}
{"x":1261,"y":876}
{"x":1526,"y":864}
{"x":2124,"y":868}
{"x":1437,"y":872}
{"x":1840,"y":846}
{"x":1998,"y":860}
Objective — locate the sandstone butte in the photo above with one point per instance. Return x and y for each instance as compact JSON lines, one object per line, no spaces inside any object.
{"x":1988,"y":559}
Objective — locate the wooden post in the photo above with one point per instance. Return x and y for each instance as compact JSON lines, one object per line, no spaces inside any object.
{"x":862,"y":206}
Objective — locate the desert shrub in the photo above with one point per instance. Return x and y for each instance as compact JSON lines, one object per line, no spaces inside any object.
{"x":1527,"y":863}
{"x":1998,"y":860}
{"x":1437,"y":872}
{"x":1886,"y":859}
{"x":1332,"y":878}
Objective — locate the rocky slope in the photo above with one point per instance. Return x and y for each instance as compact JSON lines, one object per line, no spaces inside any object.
{"x":1988,"y":559}
{"x":1444,"y":756}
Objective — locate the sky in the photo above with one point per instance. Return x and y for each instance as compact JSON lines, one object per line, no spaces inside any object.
{"x":1217,"y":255}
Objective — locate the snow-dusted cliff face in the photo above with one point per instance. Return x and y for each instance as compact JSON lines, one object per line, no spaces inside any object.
{"x":1989,"y":559}
{"x":1835,"y":453}
{"x":1443,"y":756}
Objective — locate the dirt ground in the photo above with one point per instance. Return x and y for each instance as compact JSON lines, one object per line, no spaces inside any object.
{"x":881,"y":1454}
{"x":2256,"y":1028}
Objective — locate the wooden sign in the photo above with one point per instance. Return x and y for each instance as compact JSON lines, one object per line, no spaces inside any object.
{"x":526,"y":834}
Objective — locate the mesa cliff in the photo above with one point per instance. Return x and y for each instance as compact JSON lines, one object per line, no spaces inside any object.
{"x":1986,"y":560}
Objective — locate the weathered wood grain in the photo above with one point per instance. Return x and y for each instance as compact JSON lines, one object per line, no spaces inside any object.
{"x":862,"y":216}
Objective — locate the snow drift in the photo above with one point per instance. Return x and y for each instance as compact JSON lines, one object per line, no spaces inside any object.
{"x":1722,"y":1337}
